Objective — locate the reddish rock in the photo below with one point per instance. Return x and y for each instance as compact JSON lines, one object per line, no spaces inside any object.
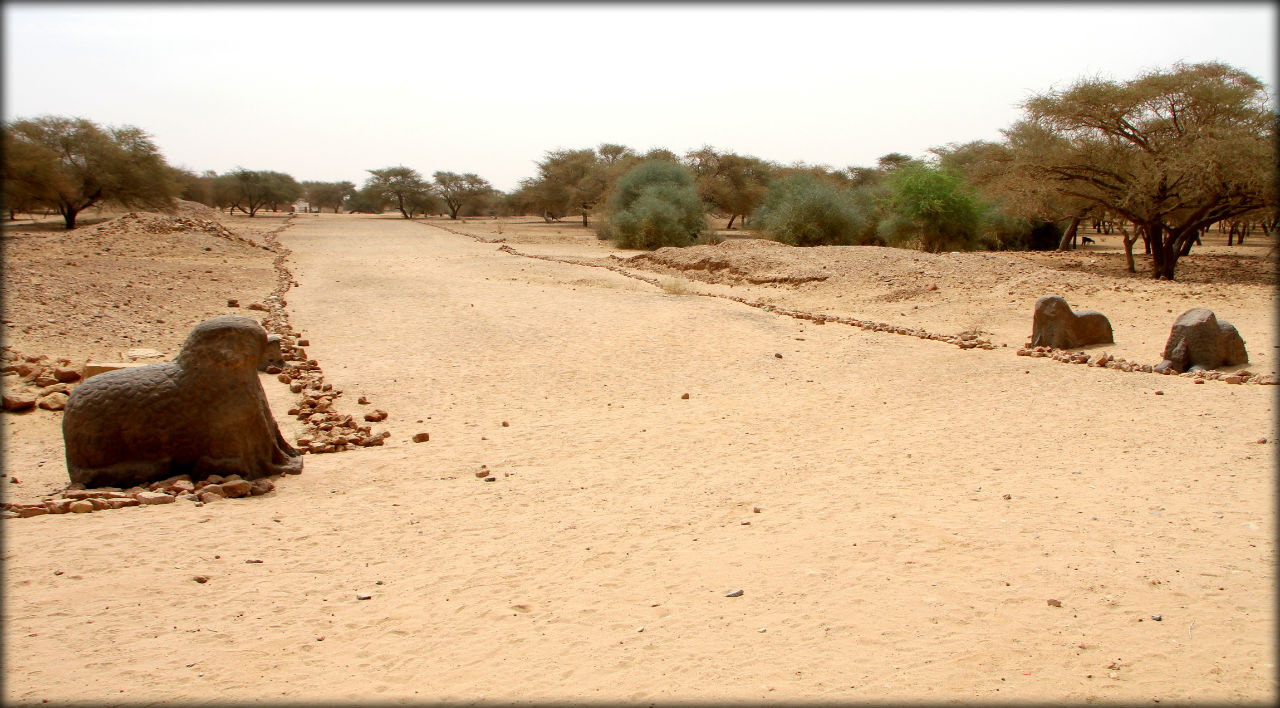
{"x":236,"y":488}
{"x":100,"y":504}
{"x":207,"y":497}
{"x":154,"y":498}
{"x":377,"y":416}
{"x":420,"y":437}
{"x":212,"y":489}
{"x":122,"y":503}
{"x":58,"y":506}
{"x":34,"y":510}
{"x":19,"y":401}
{"x":82,"y":506}
{"x":66,"y":374}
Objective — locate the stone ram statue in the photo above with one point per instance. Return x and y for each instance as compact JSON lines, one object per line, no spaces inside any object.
{"x":203,"y":413}
{"x":1199,"y":340}
{"x":1055,"y":325}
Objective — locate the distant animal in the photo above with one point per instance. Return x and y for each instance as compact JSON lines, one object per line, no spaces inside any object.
{"x":202,"y":413}
{"x":1085,"y":240}
{"x":1055,"y":325}
{"x":1199,"y":340}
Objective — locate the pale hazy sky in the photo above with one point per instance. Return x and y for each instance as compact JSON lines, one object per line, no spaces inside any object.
{"x":327,"y":91}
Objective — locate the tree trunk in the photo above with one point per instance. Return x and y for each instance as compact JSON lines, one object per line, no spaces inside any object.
{"x":731,"y":218}
{"x":69,"y":217}
{"x":1165,"y":250}
{"x":1069,"y":236}
{"x":1185,"y":248}
{"x":584,"y":218}
{"x":1128,"y":247}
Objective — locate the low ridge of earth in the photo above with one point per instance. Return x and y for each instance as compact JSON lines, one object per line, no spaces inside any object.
{"x":621,"y":476}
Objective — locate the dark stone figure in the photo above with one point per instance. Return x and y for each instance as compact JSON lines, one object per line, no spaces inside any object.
{"x":1199,"y":340}
{"x":203,"y":413}
{"x":1055,"y":325}
{"x":271,"y":355}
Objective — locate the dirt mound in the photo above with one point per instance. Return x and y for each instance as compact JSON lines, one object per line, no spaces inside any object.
{"x":182,"y":207}
{"x":140,"y":280}
{"x":755,"y":261}
{"x":147,"y":222}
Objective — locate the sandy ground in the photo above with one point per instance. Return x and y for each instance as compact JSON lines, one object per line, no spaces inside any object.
{"x":898,"y":513}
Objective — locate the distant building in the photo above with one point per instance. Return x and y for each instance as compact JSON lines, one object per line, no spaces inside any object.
{"x":301,"y":205}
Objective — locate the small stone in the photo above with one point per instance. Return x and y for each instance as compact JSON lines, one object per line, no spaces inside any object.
{"x":362,"y":596}
{"x":1158,"y":618}
{"x":505,"y":424}
{"x":777,"y":355}
{"x":253,"y":560}
{"x":745,"y":522}
{"x":755,"y":510}
{"x":482,"y":473}
{"x":1006,"y":497}
{"x":154,"y":498}
{"x":421,"y":437}
{"x":233,"y":303}
{"x":1262,"y":441}
{"x":685,"y":397}
{"x":490,"y":478}
{"x":81,"y":506}
{"x":364,"y":400}
{"x":206,"y":497}
{"x":1198,"y":381}
{"x":733,"y":593}
{"x":1054,"y":603}
{"x":304,"y":342}
{"x":1159,"y":393}
{"x":202,"y":579}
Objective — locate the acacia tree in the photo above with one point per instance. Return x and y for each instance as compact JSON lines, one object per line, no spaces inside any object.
{"x":400,"y":185}
{"x":252,"y":190}
{"x":71,"y":164}
{"x":328,"y":194}
{"x":458,"y":190}
{"x":571,"y":179}
{"x":1172,"y":151}
{"x":731,"y":183}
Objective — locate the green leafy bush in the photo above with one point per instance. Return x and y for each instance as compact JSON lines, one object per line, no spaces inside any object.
{"x":654,"y":205}
{"x":932,"y":209}
{"x":804,"y":211}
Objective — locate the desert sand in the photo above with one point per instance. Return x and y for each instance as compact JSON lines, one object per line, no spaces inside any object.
{"x":906,"y":520}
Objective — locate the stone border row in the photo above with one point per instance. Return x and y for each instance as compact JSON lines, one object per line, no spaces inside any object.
{"x":963,"y":340}
{"x":326,"y":430}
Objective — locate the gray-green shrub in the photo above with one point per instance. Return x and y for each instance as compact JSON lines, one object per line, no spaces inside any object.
{"x":655,"y":204}
{"x":804,"y":211}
